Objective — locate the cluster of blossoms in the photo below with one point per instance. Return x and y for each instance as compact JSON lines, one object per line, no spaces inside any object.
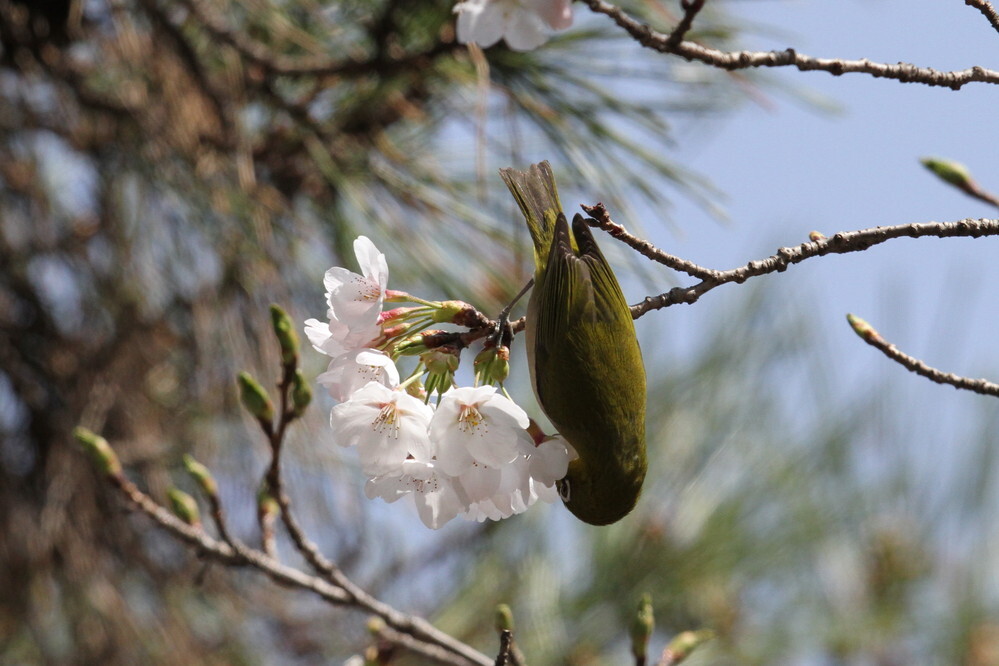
{"x":470,"y":455}
{"x":524,"y":24}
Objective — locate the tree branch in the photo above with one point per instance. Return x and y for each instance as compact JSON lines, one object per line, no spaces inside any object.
{"x":354,"y":595}
{"x":238,"y":555}
{"x":986,"y":8}
{"x":874,"y":339}
{"x":690,"y":11}
{"x":841,"y":243}
{"x":732,"y":60}
{"x":602,"y":220}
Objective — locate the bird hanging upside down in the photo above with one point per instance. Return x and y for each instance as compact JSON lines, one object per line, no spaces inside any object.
{"x":586,"y":366}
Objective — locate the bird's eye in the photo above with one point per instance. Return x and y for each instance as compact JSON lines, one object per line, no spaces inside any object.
{"x":563,"y":489}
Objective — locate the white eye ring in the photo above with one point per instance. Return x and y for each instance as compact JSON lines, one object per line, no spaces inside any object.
{"x":563,"y":490}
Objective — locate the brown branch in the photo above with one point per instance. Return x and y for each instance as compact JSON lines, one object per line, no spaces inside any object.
{"x":407,"y":642}
{"x":732,"y":60}
{"x":690,"y":10}
{"x":217,"y":550}
{"x":974,"y":190}
{"x":503,"y":658}
{"x":218,"y":517}
{"x":412,"y":625}
{"x":874,"y":339}
{"x":601,"y":219}
{"x":337,"y":594}
{"x":841,"y":243}
{"x":986,"y":8}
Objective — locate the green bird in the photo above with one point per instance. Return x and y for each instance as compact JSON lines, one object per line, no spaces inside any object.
{"x":586,"y":366}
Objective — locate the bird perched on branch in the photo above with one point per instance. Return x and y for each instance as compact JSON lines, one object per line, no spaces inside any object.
{"x":586,"y":366}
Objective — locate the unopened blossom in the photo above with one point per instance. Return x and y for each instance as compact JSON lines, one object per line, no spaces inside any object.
{"x":352,"y":370}
{"x":523,"y":24}
{"x":387,"y":426}
{"x":476,"y":425}
{"x":434,"y":493}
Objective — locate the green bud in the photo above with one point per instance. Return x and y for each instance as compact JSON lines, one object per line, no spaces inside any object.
{"x":449,"y":311}
{"x":99,"y":450}
{"x":863,"y":329}
{"x":301,"y":393}
{"x":184,"y":507}
{"x":255,"y":398}
{"x":441,"y":363}
{"x":949,"y":171}
{"x":284,"y":330}
{"x":422,"y":342}
{"x":641,"y":628}
{"x":417,"y":389}
{"x":396,"y":296}
{"x":492,"y":365}
{"x":504,"y":618}
{"x":201,"y":475}
{"x":412,"y":345}
{"x":375,"y":626}
{"x":442,"y":360}
{"x":684,"y":644}
{"x":267,"y":506}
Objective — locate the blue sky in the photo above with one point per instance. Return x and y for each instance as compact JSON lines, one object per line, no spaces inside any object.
{"x":787,"y":169}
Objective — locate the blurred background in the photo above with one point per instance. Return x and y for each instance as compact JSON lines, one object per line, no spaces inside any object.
{"x":168,"y":168}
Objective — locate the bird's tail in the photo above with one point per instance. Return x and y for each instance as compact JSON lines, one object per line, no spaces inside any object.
{"x":537,"y":196}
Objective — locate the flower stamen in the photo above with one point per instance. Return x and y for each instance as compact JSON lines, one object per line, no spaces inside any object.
{"x":471,"y":421}
{"x":387,"y":419}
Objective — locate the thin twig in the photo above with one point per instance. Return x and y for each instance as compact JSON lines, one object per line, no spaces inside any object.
{"x":418,"y":628}
{"x":215,"y":503}
{"x":601,"y":219}
{"x":413,"y":625}
{"x":874,"y":339}
{"x":690,"y":11}
{"x":223,"y":552}
{"x":407,"y":642}
{"x":975,"y":190}
{"x":732,"y":60}
{"x":305,"y":546}
{"x":986,"y":8}
{"x":841,"y":243}
{"x":506,"y":646}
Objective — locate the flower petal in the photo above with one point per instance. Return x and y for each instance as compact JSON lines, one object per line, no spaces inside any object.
{"x":524,"y":31}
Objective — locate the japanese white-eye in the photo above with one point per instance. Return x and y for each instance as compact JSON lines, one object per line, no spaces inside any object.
{"x":586,"y":366}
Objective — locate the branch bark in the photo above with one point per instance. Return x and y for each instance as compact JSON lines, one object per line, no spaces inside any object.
{"x":841,"y":243}
{"x":732,"y":60}
{"x":913,"y":364}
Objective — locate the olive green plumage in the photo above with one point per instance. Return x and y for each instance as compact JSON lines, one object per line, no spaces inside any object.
{"x":586,"y":366}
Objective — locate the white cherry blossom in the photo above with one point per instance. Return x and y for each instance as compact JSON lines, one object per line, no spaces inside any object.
{"x":436,"y":497}
{"x":386,"y":426}
{"x":351,"y":371}
{"x":335,"y":338}
{"x":476,"y":425}
{"x":549,"y":461}
{"x":524,"y":24}
{"x":356,"y":300}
